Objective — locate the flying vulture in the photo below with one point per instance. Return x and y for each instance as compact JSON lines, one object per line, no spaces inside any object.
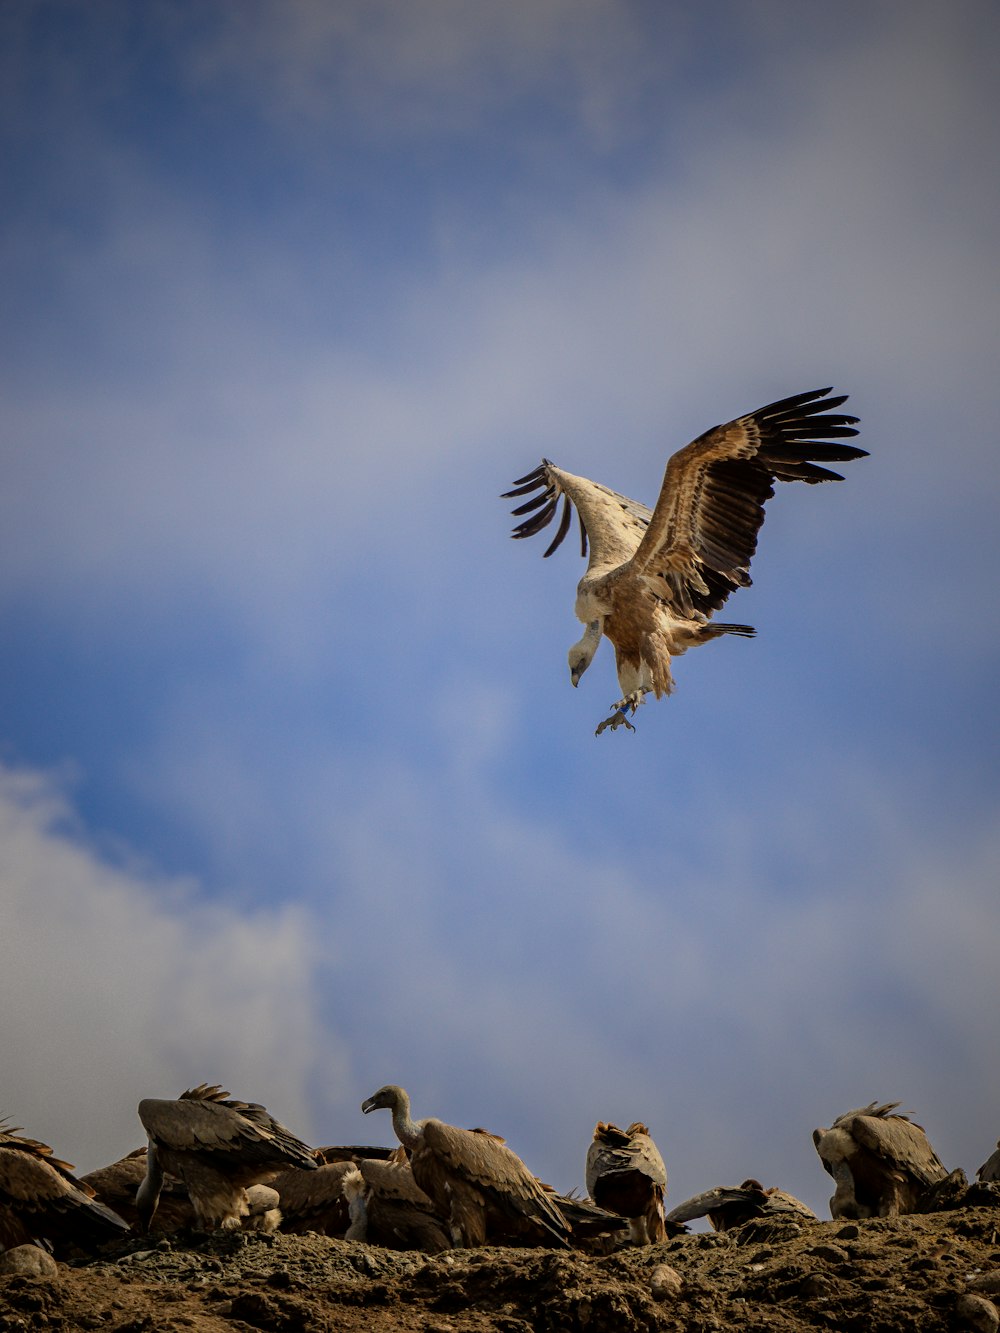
{"x":656,"y":577}
{"x":729,"y":1208}
{"x":217,"y":1148}
{"x":42,"y":1202}
{"x":626,"y":1175}
{"x":881,"y":1161}
{"x":475,"y":1181}
{"x":990,"y":1169}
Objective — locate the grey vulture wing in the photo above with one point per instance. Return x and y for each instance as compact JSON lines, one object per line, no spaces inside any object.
{"x":727,"y":1207}
{"x":899,"y":1141}
{"x":449,"y":1158}
{"x":314,"y":1200}
{"x":42,"y":1201}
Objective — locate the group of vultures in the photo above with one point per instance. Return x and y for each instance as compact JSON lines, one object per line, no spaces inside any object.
{"x":212,"y":1162}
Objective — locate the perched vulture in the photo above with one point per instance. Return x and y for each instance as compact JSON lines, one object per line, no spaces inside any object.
{"x":729,"y":1208}
{"x":474,"y":1180}
{"x":314,"y":1200}
{"x":990,"y":1169}
{"x":626,"y":1175}
{"x":656,"y":577}
{"x":881,"y":1162}
{"x":42,"y":1202}
{"x":398,"y":1214}
{"x":217,"y":1148}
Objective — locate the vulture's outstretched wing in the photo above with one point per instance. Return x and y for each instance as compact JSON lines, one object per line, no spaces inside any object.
{"x":698,"y":541}
{"x":220,"y":1130}
{"x":703,"y":533}
{"x":611,"y":525}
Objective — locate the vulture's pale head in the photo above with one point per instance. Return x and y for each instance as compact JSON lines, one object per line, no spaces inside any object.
{"x":582,"y":654}
{"x":387,"y":1098}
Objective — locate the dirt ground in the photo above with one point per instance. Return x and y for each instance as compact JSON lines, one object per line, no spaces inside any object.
{"x":914,"y":1273}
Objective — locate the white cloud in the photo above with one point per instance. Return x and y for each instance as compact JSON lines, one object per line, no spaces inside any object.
{"x":119,"y":984}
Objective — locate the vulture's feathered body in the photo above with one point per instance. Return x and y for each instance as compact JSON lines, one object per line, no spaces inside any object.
{"x":217,"y":1147}
{"x":41,"y":1201}
{"x":990,"y":1169}
{"x":881,"y":1162}
{"x":656,"y":577}
{"x":314,"y":1200}
{"x":626,"y":1175}
{"x":727,"y":1208}
{"x":399,"y":1214}
{"x":474,"y":1180}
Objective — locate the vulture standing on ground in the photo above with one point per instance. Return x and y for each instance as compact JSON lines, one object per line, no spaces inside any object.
{"x":42,"y":1201}
{"x":626,"y":1175}
{"x":728,"y":1208}
{"x":656,"y":577}
{"x":217,"y":1148}
{"x":475,"y":1181}
{"x":881,"y":1161}
{"x":990,"y":1169}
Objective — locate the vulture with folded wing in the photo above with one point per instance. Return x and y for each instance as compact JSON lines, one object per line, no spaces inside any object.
{"x":657,"y":576}
{"x":727,"y":1208}
{"x":314,"y":1200}
{"x":217,"y":1147}
{"x":42,"y":1202}
{"x":474,"y":1180}
{"x":990,"y":1169}
{"x":399,"y":1214}
{"x":626,"y":1175}
{"x":881,"y":1161}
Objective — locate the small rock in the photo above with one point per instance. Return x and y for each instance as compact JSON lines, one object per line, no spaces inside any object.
{"x":833,"y":1253}
{"x":851,"y":1232}
{"x":986,"y":1281}
{"x":665,"y":1282}
{"x":29,"y":1261}
{"x":816,"y":1284}
{"x":979,"y":1313}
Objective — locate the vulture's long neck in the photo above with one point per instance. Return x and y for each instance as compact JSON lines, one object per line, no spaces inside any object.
{"x":148,"y":1194}
{"x":407,"y":1129}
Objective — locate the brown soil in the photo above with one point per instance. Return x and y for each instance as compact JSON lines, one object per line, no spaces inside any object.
{"x":914,"y":1273}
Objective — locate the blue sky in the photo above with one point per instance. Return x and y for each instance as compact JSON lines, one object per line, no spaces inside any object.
{"x":296,"y":794}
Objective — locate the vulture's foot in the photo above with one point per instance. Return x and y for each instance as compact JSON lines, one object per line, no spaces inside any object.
{"x":618,"y":718}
